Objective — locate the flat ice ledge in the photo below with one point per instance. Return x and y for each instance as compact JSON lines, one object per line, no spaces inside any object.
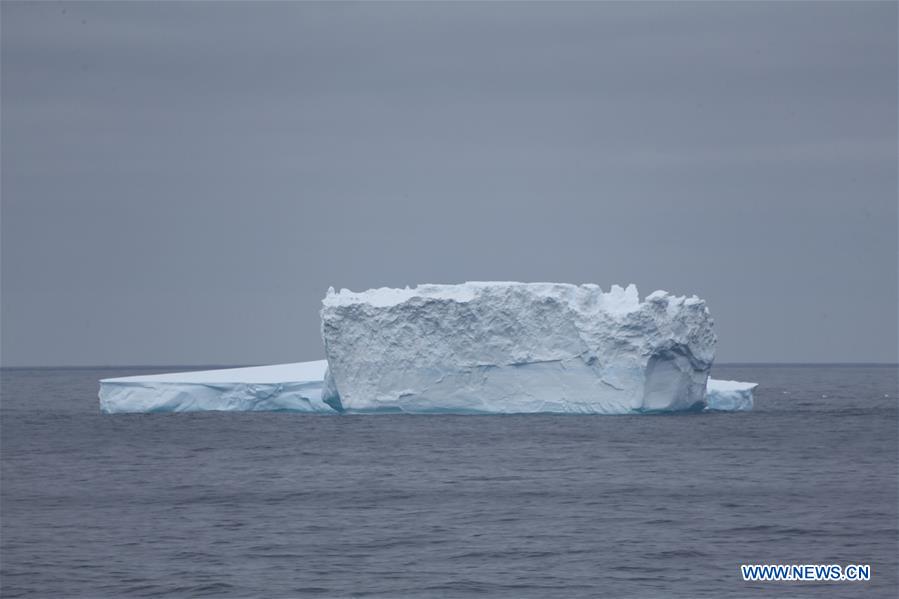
{"x":282,"y":387}
{"x":729,"y":396}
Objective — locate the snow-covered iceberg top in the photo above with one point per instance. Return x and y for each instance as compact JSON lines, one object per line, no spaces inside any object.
{"x":500,"y":347}
{"x":288,"y":387}
{"x":729,"y":396}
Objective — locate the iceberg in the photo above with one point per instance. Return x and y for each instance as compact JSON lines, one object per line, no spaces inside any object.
{"x":497,"y":347}
{"x":282,"y":387}
{"x":490,"y":348}
{"x":729,"y":396}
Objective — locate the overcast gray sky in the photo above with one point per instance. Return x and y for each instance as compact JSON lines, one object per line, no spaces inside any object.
{"x":181,"y":182}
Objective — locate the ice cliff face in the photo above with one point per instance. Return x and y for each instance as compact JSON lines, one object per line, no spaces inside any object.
{"x":515,"y":347}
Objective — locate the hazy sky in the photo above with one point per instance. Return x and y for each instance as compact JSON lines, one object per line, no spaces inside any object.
{"x":181,"y":182}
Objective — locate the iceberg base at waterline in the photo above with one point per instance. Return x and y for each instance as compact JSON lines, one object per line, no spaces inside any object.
{"x":297,"y":388}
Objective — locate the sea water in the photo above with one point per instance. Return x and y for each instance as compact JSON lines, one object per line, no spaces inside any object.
{"x":279,"y":504}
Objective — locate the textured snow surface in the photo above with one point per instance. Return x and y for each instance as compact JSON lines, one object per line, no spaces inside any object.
{"x":292,"y":387}
{"x":515,"y":347}
{"x":729,"y":396}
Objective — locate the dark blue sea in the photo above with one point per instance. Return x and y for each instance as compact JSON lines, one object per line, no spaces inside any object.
{"x":290,"y":505}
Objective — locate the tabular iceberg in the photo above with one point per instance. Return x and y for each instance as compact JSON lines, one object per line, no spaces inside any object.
{"x":473,"y":348}
{"x":515,"y":348}
{"x":288,"y":387}
{"x":729,"y":396}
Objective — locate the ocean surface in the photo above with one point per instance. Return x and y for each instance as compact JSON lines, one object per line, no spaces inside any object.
{"x":277,"y":504}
